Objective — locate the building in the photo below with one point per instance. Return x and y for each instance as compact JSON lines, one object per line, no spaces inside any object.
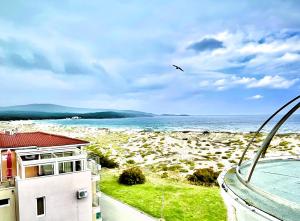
{"x":47,"y":177}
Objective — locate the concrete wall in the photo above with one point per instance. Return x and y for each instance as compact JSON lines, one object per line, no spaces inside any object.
{"x":7,"y":213}
{"x":60,"y":196}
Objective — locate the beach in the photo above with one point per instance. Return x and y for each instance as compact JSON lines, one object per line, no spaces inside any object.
{"x":175,"y":153}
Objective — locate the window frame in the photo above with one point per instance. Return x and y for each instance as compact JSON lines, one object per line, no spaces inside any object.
{"x":44,"y":206}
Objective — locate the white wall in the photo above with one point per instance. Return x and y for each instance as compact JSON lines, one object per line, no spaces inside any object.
{"x":8,"y":213}
{"x":60,"y":196}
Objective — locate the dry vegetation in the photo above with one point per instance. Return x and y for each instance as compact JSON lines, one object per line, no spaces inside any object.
{"x":170,"y":154}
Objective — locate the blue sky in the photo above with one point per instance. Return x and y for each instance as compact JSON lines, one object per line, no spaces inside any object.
{"x":239,"y":57}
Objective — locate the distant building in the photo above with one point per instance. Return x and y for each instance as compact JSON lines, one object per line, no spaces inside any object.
{"x":47,"y":177}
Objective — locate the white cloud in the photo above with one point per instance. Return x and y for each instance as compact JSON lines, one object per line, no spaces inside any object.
{"x":245,"y":51}
{"x":290,"y":57}
{"x":276,"y":81}
{"x":254,"y":48}
{"x":255,"y":97}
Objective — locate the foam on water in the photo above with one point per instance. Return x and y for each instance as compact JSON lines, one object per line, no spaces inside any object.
{"x":232,"y":123}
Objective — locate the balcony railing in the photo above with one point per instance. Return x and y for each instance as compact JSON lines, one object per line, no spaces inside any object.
{"x":6,"y":183}
{"x":96,"y":200}
{"x":49,"y":161}
{"x":94,"y":167}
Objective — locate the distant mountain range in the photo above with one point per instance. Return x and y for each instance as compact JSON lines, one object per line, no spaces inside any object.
{"x":52,"y":111}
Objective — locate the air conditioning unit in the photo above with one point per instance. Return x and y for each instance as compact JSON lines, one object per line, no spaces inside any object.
{"x":82,"y":193}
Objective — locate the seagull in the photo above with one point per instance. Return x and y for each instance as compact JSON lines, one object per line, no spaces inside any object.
{"x":177,"y":67}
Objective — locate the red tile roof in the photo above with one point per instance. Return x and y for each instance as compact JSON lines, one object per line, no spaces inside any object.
{"x":39,"y":139}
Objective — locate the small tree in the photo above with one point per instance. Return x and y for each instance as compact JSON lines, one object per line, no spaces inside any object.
{"x":132,"y":176}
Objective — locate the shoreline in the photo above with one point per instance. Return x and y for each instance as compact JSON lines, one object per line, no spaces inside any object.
{"x":176,"y":153}
{"x":142,"y":129}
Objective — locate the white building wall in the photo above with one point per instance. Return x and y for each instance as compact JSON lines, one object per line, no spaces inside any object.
{"x":60,"y":197}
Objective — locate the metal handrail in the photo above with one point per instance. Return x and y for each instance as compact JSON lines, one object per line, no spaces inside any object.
{"x":268,"y":139}
{"x":263,"y":125}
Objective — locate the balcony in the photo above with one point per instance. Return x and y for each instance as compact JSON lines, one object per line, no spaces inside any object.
{"x":7,"y":183}
{"x":49,"y":161}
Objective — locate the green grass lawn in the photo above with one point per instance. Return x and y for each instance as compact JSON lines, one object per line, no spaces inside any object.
{"x":183,"y":202}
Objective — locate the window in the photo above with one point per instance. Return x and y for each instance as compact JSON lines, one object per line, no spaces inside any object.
{"x":46,"y":156}
{"x":66,"y":167}
{"x":77,"y":165}
{"x":30,"y":157}
{"x":68,"y":154}
{"x":47,"y":169}
{"x":4,"y":202}
{"x":40,"y":206}
{"x":61,"y":167}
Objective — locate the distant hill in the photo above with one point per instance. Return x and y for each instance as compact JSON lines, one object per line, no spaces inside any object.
{"x":52,"y":111}
{"x":52,"y":108}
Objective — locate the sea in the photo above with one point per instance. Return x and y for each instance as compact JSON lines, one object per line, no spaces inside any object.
{"x":218,"y":123}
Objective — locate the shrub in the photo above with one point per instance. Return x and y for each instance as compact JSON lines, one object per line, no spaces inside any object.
{"x":284,"y":143}
{"x":103,"y":160}
{"x":130,"y":162}
{"x":132,"y":176}
{"x":220,"y":164}
{"x":174,"y":167}
{"x":205,"y":176}
{"x":164,"y":175}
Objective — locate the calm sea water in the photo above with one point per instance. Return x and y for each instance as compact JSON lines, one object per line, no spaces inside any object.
{"x":238,"y":123}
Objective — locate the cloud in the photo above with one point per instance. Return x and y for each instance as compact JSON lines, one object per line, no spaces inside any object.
{"x":272,"y":82}
{"x":243,"y":56}
{"x":36,"y":61}
{"x":207,"y":44}
{"x":290,"y":57}
{"x":245,"y":59}
{"x":255,"y":97}
{"x":276,"y":82}
{"x":23,"y":55}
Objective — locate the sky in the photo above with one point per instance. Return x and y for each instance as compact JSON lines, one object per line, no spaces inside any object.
{"x":239,"y":57}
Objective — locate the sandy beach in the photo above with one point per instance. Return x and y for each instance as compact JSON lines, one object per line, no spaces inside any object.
{"x":176,"y":153}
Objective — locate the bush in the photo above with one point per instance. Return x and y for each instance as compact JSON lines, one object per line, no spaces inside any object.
{"x":130,"y":161}
{"x":206,"y":177}
{"x":103,"y":160}
{"x":164,"y":175}
{"x":132,"y":176}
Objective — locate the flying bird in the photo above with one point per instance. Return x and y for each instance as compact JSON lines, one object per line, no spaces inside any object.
{"x":177,"y":67}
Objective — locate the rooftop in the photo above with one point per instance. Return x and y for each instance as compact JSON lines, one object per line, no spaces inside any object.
{"x":38,"y":139}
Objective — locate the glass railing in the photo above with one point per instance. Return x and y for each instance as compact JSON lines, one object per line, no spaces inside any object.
{"x":97,"y":186}
{"x":96,"y":200}
{"x":94,"y":167}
